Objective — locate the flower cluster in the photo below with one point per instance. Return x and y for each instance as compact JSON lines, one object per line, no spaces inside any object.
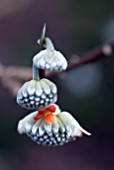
{"x":47,"y":125}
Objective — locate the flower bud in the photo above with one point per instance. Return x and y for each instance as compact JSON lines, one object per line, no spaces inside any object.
{"x":50,"y":59}
{"x":34,"y":94}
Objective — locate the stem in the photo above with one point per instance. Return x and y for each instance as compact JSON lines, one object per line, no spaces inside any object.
{"x":49,"y":44}
{"x":35,"y":73}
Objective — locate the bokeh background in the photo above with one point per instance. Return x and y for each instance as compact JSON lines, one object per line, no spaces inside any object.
{"x":87,"y":92}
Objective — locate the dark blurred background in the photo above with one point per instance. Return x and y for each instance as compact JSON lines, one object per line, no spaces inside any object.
{"x":87,"y":92}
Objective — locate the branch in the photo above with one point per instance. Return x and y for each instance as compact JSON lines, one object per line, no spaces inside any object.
{"x":94,"y":55}
{"x":12,"y":77}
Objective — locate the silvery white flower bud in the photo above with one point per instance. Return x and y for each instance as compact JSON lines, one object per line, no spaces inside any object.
{"x":34,"y":94}
{"x":51,"y":127}
{"x":50,"y":59}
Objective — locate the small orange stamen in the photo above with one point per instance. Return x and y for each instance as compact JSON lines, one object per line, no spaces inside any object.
{"x":38,"y":116}
{"x":51,"y":108}
{"x":49,"y":118}
{"x":41,"y":111}
{"x":46,"y":113}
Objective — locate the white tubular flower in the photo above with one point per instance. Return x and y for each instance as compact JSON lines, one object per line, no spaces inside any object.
{"x":51,"y":127}
{"x":34,"y":94}
{"x":50,"y":59}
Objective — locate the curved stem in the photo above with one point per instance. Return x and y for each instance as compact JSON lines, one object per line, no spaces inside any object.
{"x":35,"y":73}
{"x":49,"y":44}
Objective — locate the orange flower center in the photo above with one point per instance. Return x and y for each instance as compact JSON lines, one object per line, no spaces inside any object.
{"x":46,"y":113}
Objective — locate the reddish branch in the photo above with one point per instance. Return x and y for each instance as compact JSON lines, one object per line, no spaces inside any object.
{"x":94,"y":55}
{"x":13,"y":76}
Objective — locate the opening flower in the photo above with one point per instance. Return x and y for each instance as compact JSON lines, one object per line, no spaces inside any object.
{"x":37,"y":93}
{"x":51,"y":126}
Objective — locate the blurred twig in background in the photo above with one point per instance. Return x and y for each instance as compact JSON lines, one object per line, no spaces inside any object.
{"x":13,"y":76}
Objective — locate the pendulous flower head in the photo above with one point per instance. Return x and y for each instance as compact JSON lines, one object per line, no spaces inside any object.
{"x":50,"y":59}
{"x":51,"y":126}
{"x":37,"y":93}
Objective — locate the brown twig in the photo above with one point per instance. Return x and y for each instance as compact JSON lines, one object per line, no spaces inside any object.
{"x":91,"y":56}
{"x":12,"y":77}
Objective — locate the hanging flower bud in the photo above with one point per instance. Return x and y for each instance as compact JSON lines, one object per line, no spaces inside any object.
{"x":34,"y":94}
{"x":51,"y":127}
{"x":51,"y":60}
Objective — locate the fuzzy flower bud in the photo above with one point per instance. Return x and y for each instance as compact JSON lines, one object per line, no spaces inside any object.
{"x":34,"y":94}
{"x":50,"y":59}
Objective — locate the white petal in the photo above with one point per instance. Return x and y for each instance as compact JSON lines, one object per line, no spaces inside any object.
{"x":84,"y":131}
{"x":36,"y":126}
{"x":69,"y":129}
{"x":48,"y":127}
{"x":28,"y":127}
{"x":52,"y":86}
{"x":23,"y":122}
{"x":68,"y":119}
{"x":45,"y":86}
{"x":54,"y":89}
{"x":53,"y":65}
{"x":63,"y":62}
{"x":55,"y":99}
{"x":61,"y":125}
{"x":38,"y":56}
{"x":47,"y":66}
{"x":41,"y":63}
{"x":49,"y":58}
{"x":24,"y":89}
{"x":64,"y":65}
{"x":38,"y":89}
{"x":19,"y":95}
{"x":55,"y":125}
{"x":41,"y":128}
{"x":31,"y":87}
{"x":21,"y":127}
{"x":57,"y":109}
